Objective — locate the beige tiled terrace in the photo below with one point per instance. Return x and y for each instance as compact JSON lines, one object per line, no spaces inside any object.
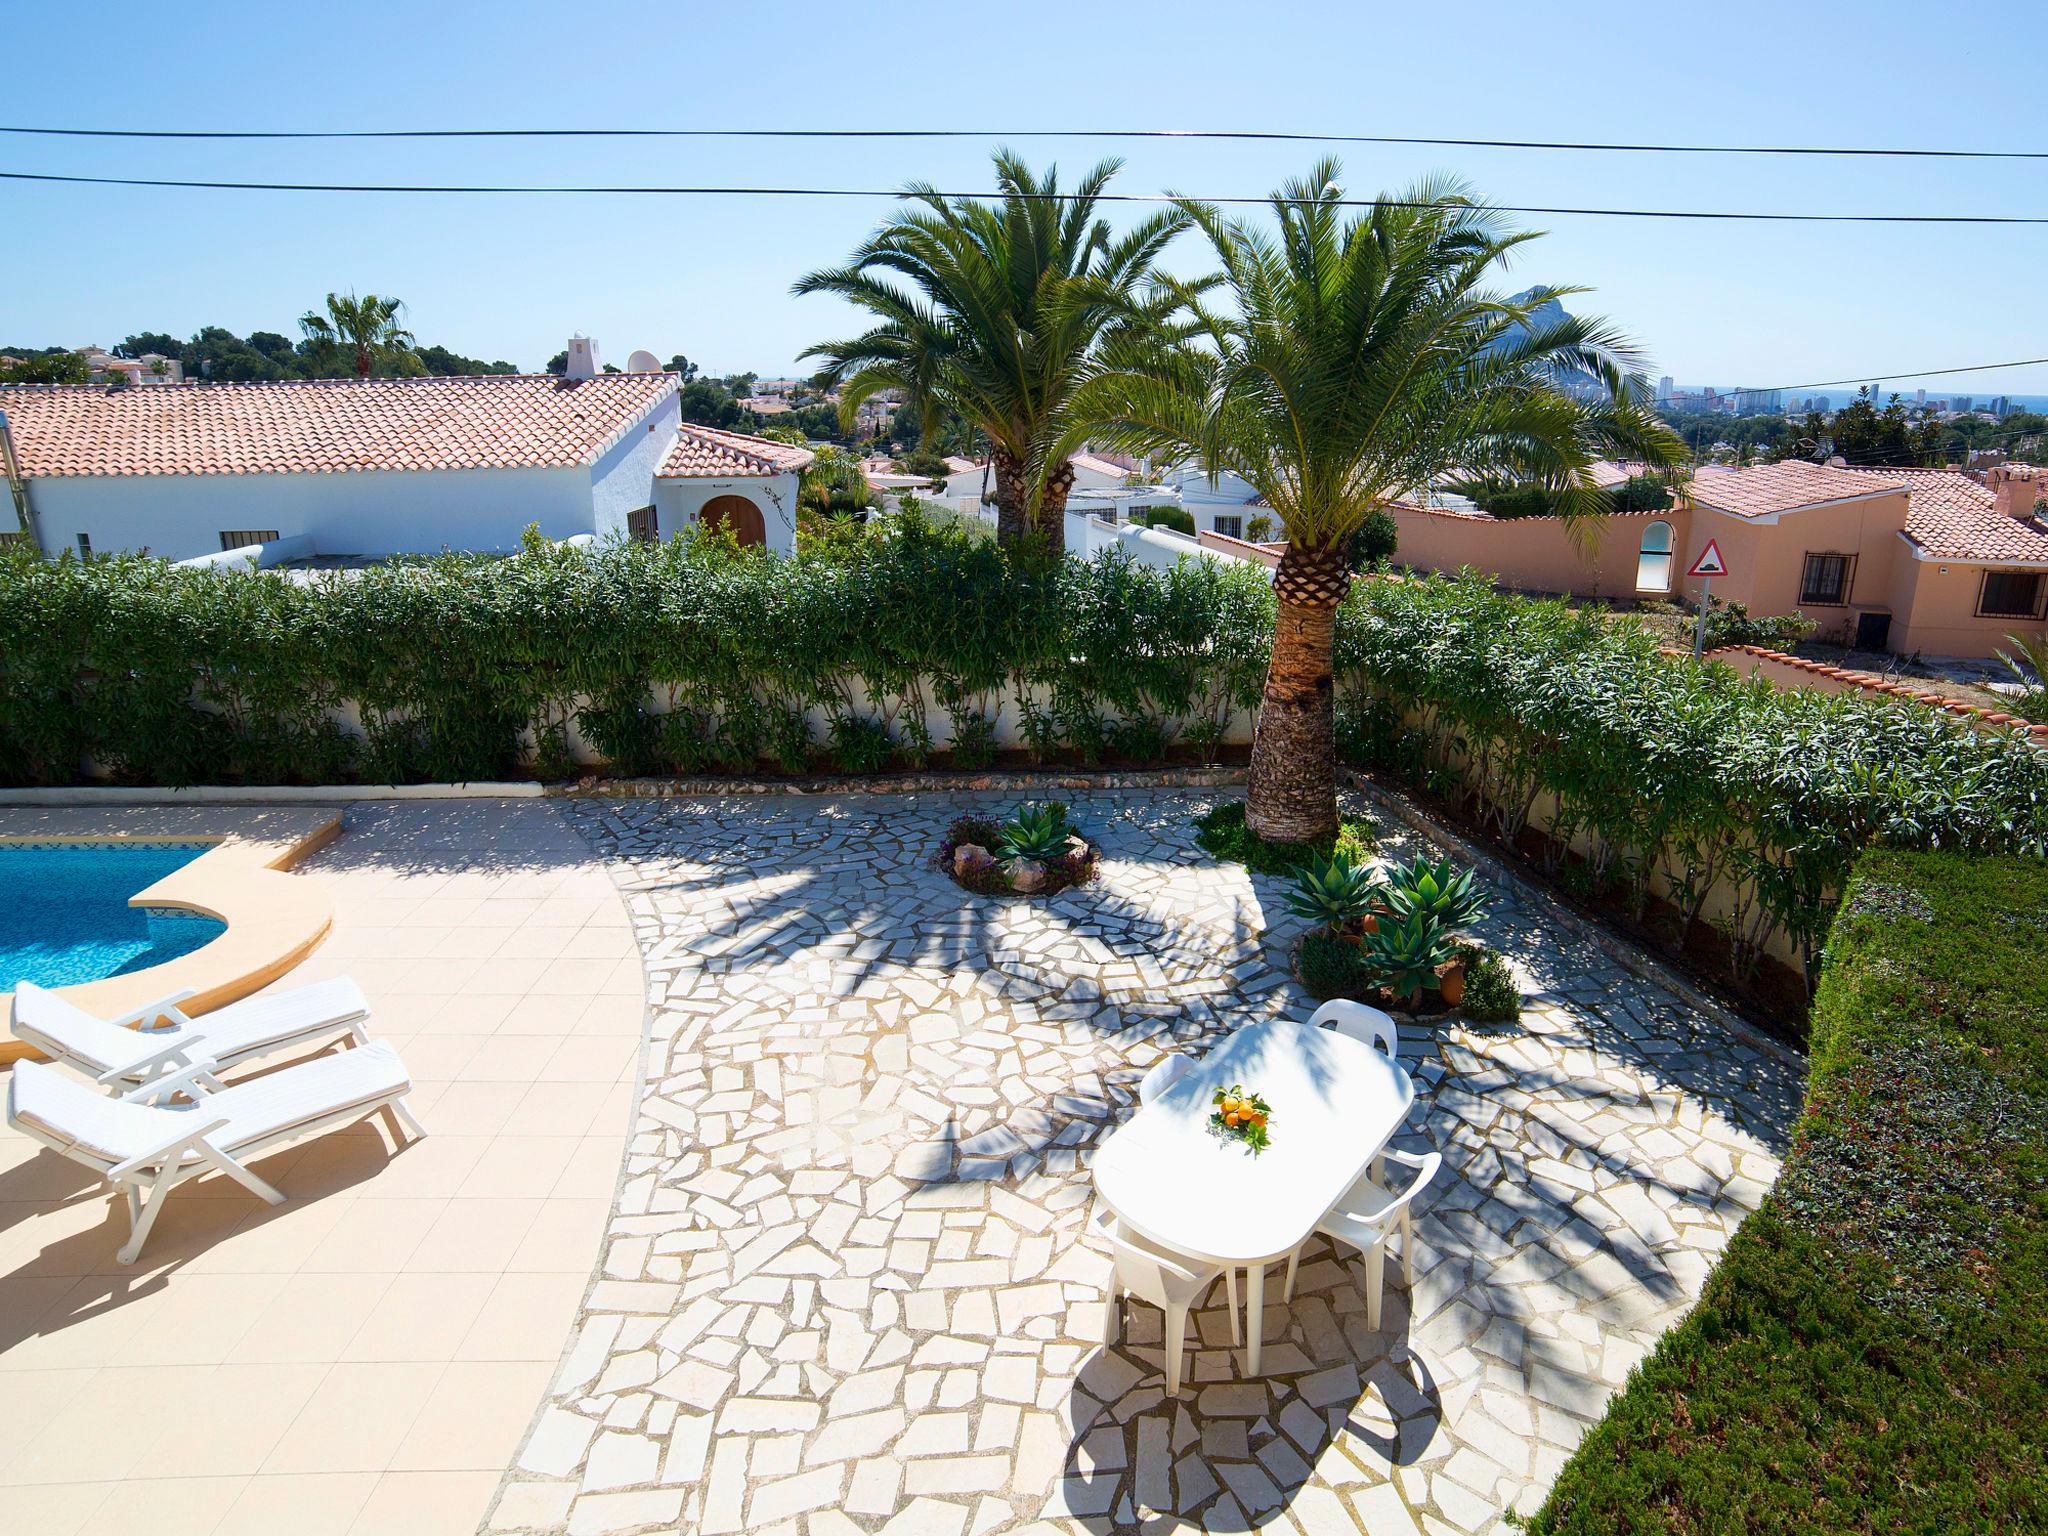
{"x":366,"y":1357}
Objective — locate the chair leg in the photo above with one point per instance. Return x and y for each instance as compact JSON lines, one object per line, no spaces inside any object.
{"x":1176,"y":1345}
{"x":1112,"y":1317}
{"x":139,"y":1231}
{"x":1293,"y":1263}
{"x":1236,"y":1316}
{"x":1407,"y":1249}
{"x":222,"y":1163}
{"x":1375,"y":1282}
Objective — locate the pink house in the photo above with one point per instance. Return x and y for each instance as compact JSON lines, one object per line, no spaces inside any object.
{"x":1933,"y":561}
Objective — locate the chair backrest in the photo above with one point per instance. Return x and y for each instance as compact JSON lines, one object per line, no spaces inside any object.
{"x":65,"y":1030}
{"x":1359,"y":1022}
{"x":1164,"y":1074}
{"x":68,"y":1116}
{"x":1143,"y":1271}
{"x":1425,"y":1166}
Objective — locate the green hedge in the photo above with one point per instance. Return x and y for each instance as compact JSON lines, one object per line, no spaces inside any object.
{"x":679,"y":657}
{"x":1872,"y":1353}
{"x":1676,"y":778}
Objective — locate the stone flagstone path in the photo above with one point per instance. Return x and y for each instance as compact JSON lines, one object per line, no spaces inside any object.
{"x":849,"y":1285}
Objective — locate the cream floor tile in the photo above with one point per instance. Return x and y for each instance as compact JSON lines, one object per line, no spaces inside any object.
{"x":517,"y":1166}
{"x":103,"y":1430}
{"x":420,"y":1317}
{"x":475,"y":1418}
{"x":593,"y":1059}
{"x":30,"y":1399}
{"x":466,"y":1013}
{"x":164,"y":1506}
{"x":299,"y":1504}
{"x":476,"y":1235}
{"x":569,"y":1109}
{"x":356,"y":1419}
{"x":467,"y":1108}
{"x":430,"y":1169}
{"x":426,"y":1504}
{"x":542,"y":943}
{"x":312,"y":1318}
{"x":55,"y":1509}
{"x":582,"y":978}
{"x":526,"y":1317}
{"x":564,"y":1237}
{"x":540,"y":1015}
{"x":592,"y":1171}
{"x":468,"y":943}
{"x":613,"y":1014}
{"x":89,"y":1326}
{"x":513,"y":1058}
{"x":24,"y":1301}
{"x":440,"y":1058}
{"x":274,"y":1239}
{"x":198,"y":1319}
{"x":230,"y":1418}
{"x":374,"y":1237}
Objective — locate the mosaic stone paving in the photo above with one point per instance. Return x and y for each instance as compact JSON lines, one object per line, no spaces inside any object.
{"x":850,"y":1284}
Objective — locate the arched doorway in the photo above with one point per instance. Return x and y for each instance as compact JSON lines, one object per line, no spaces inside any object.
{"x":736,"y":514}
{"x":1653,"y":559}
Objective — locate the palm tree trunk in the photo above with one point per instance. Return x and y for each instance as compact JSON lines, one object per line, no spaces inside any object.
{"x":1292,"y":794}
{"x":1012,"y":516}
{"x":1052,"y":505}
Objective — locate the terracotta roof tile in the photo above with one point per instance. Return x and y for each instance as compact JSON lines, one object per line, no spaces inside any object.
{"x":326,"y":426}
{"x":708,"y":453}
{"x":1769,"y":488}
{"x":1952,"y":517}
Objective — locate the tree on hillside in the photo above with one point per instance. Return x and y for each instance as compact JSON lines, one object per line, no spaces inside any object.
{"x":360,"y":332}
{"x":56,"y":366}
{"x":994,"y":312}
{"x":1862,"y":434}
{"x":1361,"y":355}
{"x":708,"y":403}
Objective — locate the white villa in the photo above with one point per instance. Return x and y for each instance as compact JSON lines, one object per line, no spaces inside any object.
{"x":346,"y":468}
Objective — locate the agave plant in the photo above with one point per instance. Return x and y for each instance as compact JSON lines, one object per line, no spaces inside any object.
{"x":1451,"y":898}
{"x":1406,"y":952}
{"x":1334,"y":891}
{"x":1036,"y":832}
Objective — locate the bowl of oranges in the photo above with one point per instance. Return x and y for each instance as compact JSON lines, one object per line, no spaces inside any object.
{"x":1241,"y":1115}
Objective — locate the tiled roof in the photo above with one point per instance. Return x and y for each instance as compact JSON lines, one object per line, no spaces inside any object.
{"x":1769,"y":488}
{"x":708,"y":453}
{"x":326,"y":426}
{"x":1951,"y":517}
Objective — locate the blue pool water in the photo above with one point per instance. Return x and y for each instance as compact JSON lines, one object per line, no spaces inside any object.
{"x":65,"y":918}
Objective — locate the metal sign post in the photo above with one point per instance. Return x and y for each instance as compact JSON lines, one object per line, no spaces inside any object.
{"x":1707,"y":567}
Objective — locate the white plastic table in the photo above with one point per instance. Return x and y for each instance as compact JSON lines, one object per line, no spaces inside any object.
{"x":1335,"y":1104}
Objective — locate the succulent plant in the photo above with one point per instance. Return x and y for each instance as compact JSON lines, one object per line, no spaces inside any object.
{"x":1334,"y":891}
{"x":1405,"y":952}
{"x":1037,"y":832}
{"x":1451,"y":897}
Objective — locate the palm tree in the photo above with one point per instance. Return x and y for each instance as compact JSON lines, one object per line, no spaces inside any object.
{"x":993,"y":312}
{"x":1363,"y":357}
{"x":367,"y":327}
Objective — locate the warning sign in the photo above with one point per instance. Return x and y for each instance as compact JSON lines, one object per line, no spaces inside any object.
{"x":1710,"y":562}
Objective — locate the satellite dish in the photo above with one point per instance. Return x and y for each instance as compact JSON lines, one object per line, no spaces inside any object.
{"x":643,"y":361}
{"x":1836,"y":461}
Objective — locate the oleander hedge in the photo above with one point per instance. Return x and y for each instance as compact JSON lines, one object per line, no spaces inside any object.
{"x":1871,"y":1355}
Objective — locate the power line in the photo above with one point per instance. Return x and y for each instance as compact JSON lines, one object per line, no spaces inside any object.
{"x":1058,"y":197}
{"x":1030,"y":133}
{"x":1882,"y":374}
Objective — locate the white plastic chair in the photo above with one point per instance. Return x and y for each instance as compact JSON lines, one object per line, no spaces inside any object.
{"x":1164,"y":1074}
{"x":1172,"y":1282}
{"x":160,"y":1037}
{"x":1360,"y":1022}
{"x":1363,"y":1218}
{"x":146,"y":1149}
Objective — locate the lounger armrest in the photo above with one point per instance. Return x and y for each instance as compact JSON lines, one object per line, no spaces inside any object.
{"x":167,"y":1053}
{"x":188,"y":1136}
{"x":165,"y":1007}
{"x":185,"y":1080}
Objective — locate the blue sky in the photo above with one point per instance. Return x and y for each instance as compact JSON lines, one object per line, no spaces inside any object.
{"x":511,"y":277}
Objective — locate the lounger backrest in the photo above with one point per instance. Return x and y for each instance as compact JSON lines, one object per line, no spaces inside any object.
{"x":58,"y":1028}
{"x":97,"y":1128}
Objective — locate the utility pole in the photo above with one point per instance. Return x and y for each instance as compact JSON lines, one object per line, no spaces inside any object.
{"x":17,"y":486}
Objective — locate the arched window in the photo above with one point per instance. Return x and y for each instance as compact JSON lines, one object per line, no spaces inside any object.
{"x":1653,"y":559}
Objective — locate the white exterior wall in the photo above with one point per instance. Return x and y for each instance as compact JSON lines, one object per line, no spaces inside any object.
{"x":622,"y":480}
{"x":678,"y":501}
{"x":1228,"y":495}
{"x":1088,"y":537}
{"x":373,"y":512}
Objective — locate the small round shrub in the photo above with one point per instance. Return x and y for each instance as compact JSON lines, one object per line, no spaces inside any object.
{"x":1330,"y":967}
{"x":1491,"y":996}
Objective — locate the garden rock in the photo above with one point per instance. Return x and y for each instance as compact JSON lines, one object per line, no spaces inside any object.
{"x":1025,"y":875}
{"x":971,"y":859}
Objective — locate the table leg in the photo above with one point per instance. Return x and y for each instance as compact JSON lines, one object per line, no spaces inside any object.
{"x":1254,"y":1315}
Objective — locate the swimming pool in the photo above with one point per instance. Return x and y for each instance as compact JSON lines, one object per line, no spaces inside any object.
{"x":65,"y":918}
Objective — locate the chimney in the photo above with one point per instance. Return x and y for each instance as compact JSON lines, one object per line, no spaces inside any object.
{"x":583,"y":362}
{"x":2017,"y":487}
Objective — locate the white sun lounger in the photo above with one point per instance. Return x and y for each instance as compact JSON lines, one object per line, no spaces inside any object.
{"x":160,"y":1037}
{"x":146,"y":1149}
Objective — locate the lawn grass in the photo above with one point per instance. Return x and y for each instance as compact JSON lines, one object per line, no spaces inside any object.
{"x":1871,"y":1354}
{"x":1221,"y":831}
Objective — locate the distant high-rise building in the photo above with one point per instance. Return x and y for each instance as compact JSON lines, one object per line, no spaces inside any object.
{"x":1664,"y":390}
{"x":2001,"y":406}
{"x":1919,"y":397}
{"x":1823,"y":404}
{"x":1964,"y":403}
{"x":1877,"y":394}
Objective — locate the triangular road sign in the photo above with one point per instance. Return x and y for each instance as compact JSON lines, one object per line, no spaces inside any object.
{"x":1710,"y":562}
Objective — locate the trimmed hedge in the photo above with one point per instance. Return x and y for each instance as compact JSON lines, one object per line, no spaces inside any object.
{"x":1676,"y":779}
{"x":1871,"y":1354}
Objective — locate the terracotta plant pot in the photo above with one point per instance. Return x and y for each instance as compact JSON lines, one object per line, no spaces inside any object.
{"x":1450,"y":982}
